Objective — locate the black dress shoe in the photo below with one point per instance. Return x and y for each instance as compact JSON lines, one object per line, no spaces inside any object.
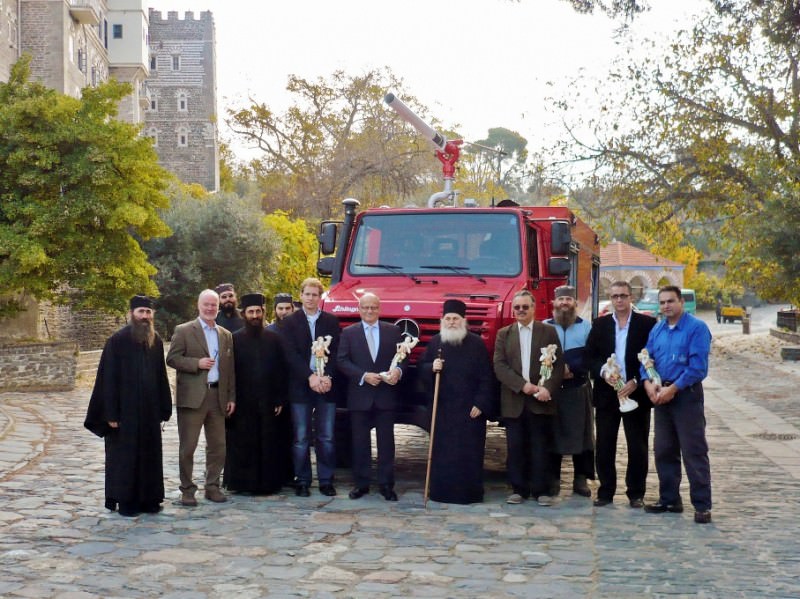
{"x":637,"y":503}
{"x":327,"y":490}
{"x":358,"y":492}
{"x":388,"y":493}
{"x":600,"y":502}
{"x":702,"y":517}
{"x":302,"y":491}
{"x":660,"y":508}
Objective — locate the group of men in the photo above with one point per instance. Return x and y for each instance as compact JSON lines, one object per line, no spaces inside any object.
{"x":549,"y":417}
{"x":247,"y":381}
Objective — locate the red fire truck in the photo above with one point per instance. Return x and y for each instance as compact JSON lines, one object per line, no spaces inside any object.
{"x":414,"y":259}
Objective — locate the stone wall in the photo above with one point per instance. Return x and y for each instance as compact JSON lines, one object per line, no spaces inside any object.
{"x":86,"y":328}
{"x":38,"y":366}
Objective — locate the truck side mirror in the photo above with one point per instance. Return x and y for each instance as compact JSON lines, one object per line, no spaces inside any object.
{"x":327,"y":237}
{"x":560,"y":238}
{"x":325,"y":266}
{"x":558,"y":266}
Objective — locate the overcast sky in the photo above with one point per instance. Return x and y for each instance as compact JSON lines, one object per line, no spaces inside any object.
{"x":477,"y":63}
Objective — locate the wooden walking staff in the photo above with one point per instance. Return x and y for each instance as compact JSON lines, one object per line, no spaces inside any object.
{"x":433,"y":428}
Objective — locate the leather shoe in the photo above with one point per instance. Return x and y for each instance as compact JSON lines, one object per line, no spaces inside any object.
{"x":215,"y":495}
{"x":580,"y":487}
{"x":702,"y":517}
{"x":660,"y":508}
{"x":358,"y":492}
{"x":327,"y":490}
{"x":637,"y":503}
{"x":388,"y":493}
{"x":188,"y":500}
{"x":600,"y":502}
{"x":302,"y":491}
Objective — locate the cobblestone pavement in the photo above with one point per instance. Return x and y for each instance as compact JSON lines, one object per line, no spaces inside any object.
{"x":56,"y":540}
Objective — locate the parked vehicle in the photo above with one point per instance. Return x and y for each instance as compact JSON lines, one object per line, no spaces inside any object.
{"x":649,"y":302}
{"x":732,"y":313}
{"x":416,"y":258}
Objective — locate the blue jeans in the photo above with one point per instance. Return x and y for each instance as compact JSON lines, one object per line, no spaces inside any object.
{"x":324,"y":413}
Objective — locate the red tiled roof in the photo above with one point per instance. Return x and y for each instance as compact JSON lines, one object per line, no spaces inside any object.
{"x":617,"y":253}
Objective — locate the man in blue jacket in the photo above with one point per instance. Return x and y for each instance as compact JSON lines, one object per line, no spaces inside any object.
{"x":574,"y":424}
{"x":679,"y":345}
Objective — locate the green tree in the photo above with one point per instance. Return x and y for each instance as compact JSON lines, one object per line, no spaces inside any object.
{"x":495,"y":166}
{"x":78,"y":191}
{"x":339,"y":139}
{"x":297,"y":256}
{"x":216,"y":238}
{"x":709,"y":138}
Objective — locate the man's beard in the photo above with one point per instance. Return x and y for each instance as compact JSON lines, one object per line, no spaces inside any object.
{"x":453,"y":336}
{"x":565,"y":316}
{"x":143,"y":332}
{"x":254,"y":326}
{"x":228,"y":308}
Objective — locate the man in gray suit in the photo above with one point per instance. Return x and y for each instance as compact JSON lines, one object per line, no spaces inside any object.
{"x":526,"y":407}
{"x":202,"y":354}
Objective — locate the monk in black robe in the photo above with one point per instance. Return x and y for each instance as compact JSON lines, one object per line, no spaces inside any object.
{"x":254,"y":463}
{"x":131,"y":398}
{"x":465,"y":400}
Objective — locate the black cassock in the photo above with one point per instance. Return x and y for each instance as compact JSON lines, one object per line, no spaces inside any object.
{"x":131,"y":388}
{"x":459,"y":441}
{"x":254,"y":461}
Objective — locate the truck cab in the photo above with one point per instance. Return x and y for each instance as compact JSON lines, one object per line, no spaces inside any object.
{"x":414,"y":259}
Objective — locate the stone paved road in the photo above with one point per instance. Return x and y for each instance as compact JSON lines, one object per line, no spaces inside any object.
{"x":56,"y":540}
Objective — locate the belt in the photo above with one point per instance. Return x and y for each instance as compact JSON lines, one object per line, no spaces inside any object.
{"x":213,"y":385}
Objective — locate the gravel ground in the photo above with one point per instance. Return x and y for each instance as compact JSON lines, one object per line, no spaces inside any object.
{"x":752,"y":365}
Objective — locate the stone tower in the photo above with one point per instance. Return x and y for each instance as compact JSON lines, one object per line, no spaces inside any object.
{"x":182,"y":116}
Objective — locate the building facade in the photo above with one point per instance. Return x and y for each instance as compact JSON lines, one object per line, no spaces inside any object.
{"x":641,"y":269}
{"x":9,"y":37}
{"x":182,"y":116}
{"x":74,"y":44}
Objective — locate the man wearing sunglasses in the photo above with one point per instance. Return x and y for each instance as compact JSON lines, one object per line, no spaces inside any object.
{"x":623,"y":333}
{"x":526,"y":407}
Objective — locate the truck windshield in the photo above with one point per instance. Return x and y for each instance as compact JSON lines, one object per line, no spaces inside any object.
{"x":446,"y":243}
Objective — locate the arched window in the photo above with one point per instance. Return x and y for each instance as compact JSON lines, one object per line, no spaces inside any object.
{"x":152,"y":133}
{"x":183,"y":102}
{"x":183,"y":137}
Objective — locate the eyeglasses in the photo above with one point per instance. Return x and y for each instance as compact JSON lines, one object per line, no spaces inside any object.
{"x":369,"y":308}
{"x":618,"y":296}
{"x":522,"y":308}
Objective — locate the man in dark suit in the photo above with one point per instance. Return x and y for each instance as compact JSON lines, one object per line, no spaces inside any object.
{"x":202,"y":354}
{"x":527,"y":408}
{"x":365,"y":355}
{"x":311,"y":391}
{"x":624,"y":333}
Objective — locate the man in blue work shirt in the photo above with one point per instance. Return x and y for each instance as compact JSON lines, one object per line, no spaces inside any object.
{"x":679,"y":345}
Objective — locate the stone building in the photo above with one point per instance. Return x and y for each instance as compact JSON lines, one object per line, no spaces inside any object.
{"x":640,"y":268}
{"x":182,"y":115}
